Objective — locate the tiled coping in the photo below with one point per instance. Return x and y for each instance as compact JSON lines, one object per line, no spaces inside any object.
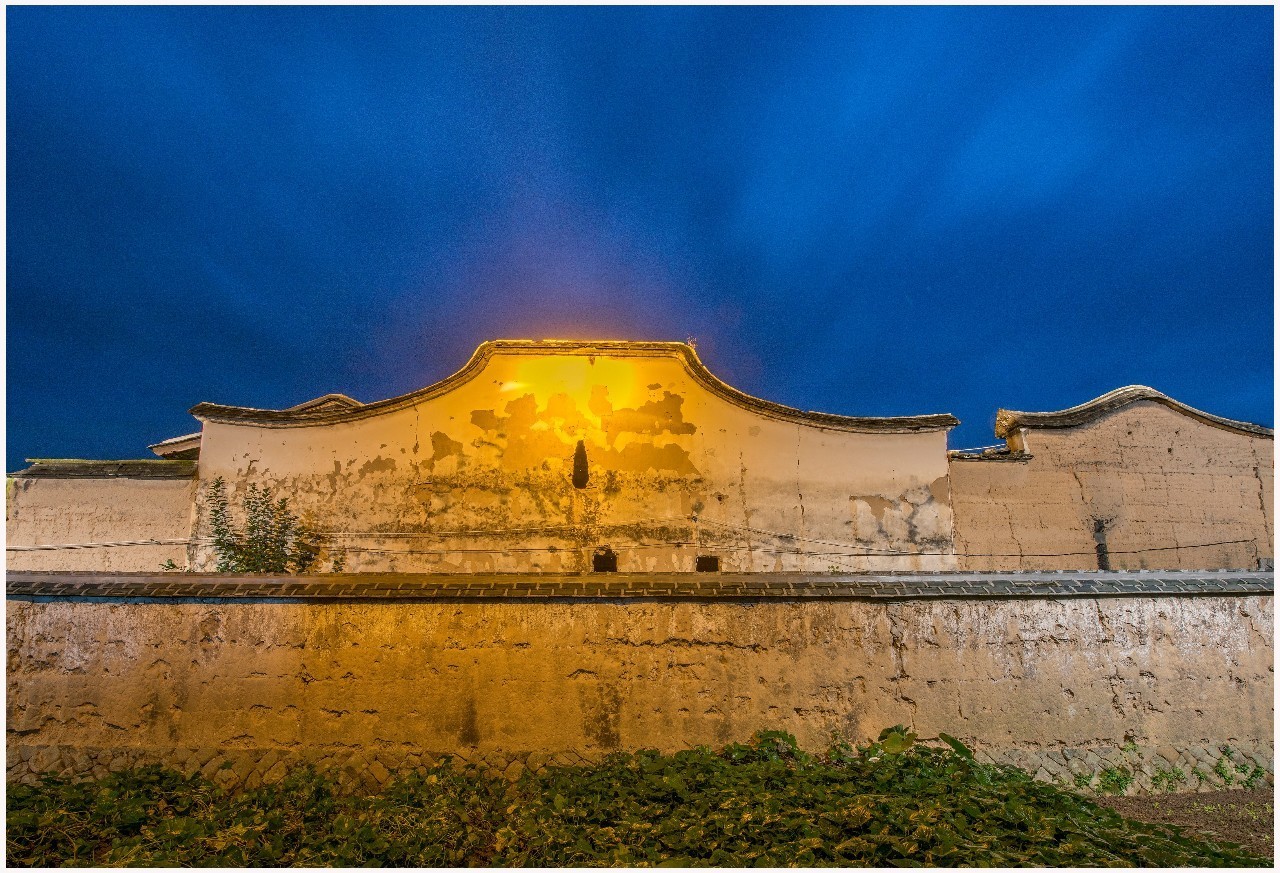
{"x":589,"y":587}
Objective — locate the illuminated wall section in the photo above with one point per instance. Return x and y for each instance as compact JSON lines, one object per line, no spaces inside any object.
{"x":541,"y":456}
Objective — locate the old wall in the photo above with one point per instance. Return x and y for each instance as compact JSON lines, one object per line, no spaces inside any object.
{"x":1044,"y":682}
{"x":82,"y":510}
{"x":479,"y":477}
{"x":1153,"y":484}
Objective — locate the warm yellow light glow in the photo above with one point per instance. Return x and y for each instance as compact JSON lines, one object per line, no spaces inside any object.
{"x":575,"y":375}
{"x":575,"y":397}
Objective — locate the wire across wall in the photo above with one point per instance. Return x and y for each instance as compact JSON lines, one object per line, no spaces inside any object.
{"x":834,"y":552}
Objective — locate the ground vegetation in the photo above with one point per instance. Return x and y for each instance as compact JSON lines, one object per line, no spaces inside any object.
{"x":895,"y":802}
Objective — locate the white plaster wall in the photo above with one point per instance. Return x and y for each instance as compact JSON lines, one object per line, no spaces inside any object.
{"x":1156,"y":477}
{"x":495,"y":455}
{"x":46,"y":511}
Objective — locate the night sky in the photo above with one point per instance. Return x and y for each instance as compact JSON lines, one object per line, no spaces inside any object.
{"x":865,"y":211}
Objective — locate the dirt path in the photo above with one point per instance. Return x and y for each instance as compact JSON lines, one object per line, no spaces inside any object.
{"x":1244,"y":817}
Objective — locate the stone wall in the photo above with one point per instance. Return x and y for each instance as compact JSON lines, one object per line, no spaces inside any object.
{"x":1062,"y":685}
{"x":1150,"y":484}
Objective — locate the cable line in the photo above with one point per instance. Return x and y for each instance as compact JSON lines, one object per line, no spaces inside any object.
{"x":867,"y":553}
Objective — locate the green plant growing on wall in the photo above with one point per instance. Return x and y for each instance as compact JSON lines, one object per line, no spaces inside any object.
{"x":1168,"y":779}
{"x":1114,"y":780}
{"x":1224,"y":771}
{"x":1241,"y":767}
{"x":273,"y":539}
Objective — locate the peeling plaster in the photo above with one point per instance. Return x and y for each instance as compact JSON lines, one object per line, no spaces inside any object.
{"x":493,"y":458}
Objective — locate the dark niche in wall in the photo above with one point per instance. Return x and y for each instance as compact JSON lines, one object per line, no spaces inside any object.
{"x":580,"y":471}
{"x":605,"y":560}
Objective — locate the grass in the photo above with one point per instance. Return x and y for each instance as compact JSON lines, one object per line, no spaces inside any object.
{"x":764,"y":803}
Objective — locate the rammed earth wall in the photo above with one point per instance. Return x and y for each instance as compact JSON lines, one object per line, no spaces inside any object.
{"x":45,"y":515}
{"x":1151,"y":486}
{"x":371,"y":675}
{"x":476,"y":473}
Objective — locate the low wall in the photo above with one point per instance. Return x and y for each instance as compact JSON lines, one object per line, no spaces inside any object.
{"x":373,"y":674}
{"x":47,"y":517}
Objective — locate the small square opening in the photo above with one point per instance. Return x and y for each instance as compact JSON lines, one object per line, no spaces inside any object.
{"x":605,"y":560}
{"x":707,"y":564}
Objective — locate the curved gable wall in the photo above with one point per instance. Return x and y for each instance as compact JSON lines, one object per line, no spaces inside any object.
{"x":1153,"y":484}
{"x":475,"y":474}
{"x":494,"y":454}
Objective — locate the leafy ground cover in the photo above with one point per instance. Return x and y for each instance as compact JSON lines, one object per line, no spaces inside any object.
{"x":764,"y":803}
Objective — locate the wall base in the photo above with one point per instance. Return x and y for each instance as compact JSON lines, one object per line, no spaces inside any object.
{"x":1101,"y":770}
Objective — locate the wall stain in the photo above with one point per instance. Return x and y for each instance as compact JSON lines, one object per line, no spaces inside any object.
{"x":377,"y":465}
{"x":878,"y":505}
{"x":528,"y":437}
{"x":442,"y":447}
{"x":469,"y":732}
{"x":601,"y":708}
{"x":940,"y":488}
{"x":652,"y":418}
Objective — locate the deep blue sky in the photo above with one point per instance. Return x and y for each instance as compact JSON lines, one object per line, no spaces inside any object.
{"x":864,"y":211}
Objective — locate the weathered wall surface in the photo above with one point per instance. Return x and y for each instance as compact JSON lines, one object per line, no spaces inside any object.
{"x":373,"y":687}
{"x":49,"y":511}
{"x":479,"y":478}
{"x":1144,"y":477}
{"x":536,"y":456}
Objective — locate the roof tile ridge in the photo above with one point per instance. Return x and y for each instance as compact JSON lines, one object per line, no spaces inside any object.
{"x":1008,"y":420}
{"x":486,"y":350}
